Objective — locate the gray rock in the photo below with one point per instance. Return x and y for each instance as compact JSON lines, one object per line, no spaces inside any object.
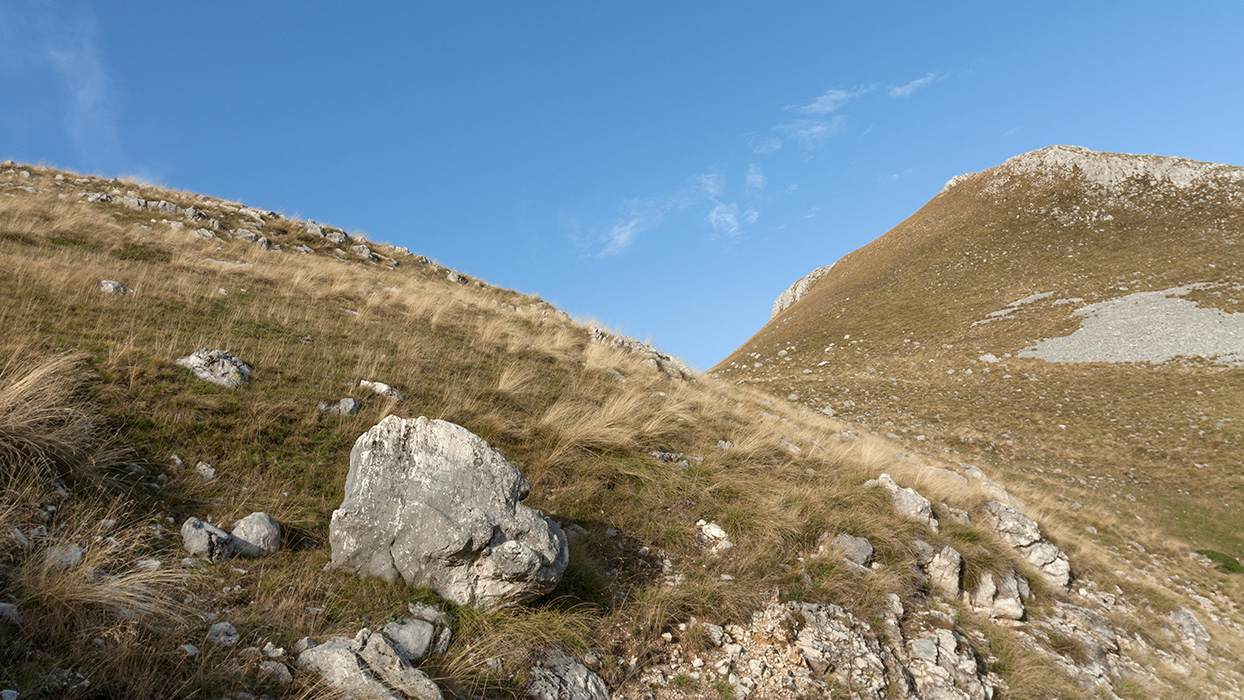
{"x":9,"y":694}
{"x":431,"y":502}
{"x":206,"y":541}
{"x":341,"y":668}
{"x":384,"y":660}
{"x":337,"y":237}
{"x":1191,"y":632}
{"x":364,"y":252}
{"x":277,"y":671}
{"x":8,"y":611}
{"x":427,"y":613}
{"x":203,"y":233}
{"x":944,"y":571}
{"x":314,"y":229}
{"x":257,"y":535}
{"x":63,"y":556}
{"x":857,"y":550}
{"x":189,"y":650}
{"x":219,"y":367}
{"x":557,"y":676}
{"x":341,"y":407}
{"x":1023,"y":534}
{"x":223,"y":634}
{"x":114,"y":287}
{"x":411,"y":637}
{"x":999,"y":598}
{"x":134,"y":202}
{"x":205,"y":470}
{"x":909,"y":502}
{"x":382,"y":389}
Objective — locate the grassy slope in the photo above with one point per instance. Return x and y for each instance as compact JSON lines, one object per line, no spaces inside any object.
{"x":508,"y":367}
{"x":1155,"y":448}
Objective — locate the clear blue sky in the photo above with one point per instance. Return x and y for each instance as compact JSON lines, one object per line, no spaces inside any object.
{"x":666,"y":167}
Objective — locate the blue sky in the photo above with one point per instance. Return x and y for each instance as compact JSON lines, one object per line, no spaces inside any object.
{"x":666,"y":167}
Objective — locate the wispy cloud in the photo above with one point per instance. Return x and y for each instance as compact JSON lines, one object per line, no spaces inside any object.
{"x":710,"y":185}
{"x":896,"y":176}
{"x":766,"y":145}
{"x":39,"y":38}
{"x":909,"y":88}
{"x":724,"y":219}
{"x":811,"y":133}
{"x":832,"y":100}
{"x":1010,"y":131}
{"x":756,"y":181}
{"x":637,"y":216}
{"x":751,"y":216}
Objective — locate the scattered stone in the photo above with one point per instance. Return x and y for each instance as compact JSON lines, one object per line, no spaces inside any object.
{"x":341,"y":407}
{"x":114,"y":287}
{"x":431,"y":502}
{"x":206,"y":541}
{"x":223,"y":634}
{"x":257,"y":535}
{"x":63,"y":556}
{"x":557,"y":676}
{"x":857,"y":550}
{"x":337,"y":237}
{"x":9,"y":694}
{"x":218,"y":367}
{"x":148,"y":565}
{"x":382,"y":389}
{"x":8,"y":611}
{"x":277,"y":671}
{"x":712,"y":534}
{"x":909,"y":502}
{"x":205,"y":470}
{"x":412,"y":638}
{"x":190,"y":650}
{"x":669,"y":365}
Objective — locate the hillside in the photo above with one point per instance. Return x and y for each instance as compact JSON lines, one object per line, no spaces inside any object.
{"x":723,"y":542}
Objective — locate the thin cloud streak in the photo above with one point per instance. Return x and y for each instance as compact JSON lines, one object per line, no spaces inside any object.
{"x":909,"y":88}
{"x":832,"y":100}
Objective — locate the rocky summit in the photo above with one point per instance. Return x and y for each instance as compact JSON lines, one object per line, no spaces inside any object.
{"x":993,"y":454}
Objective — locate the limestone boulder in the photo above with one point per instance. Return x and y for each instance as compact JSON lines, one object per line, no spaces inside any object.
{"x":206,"y":541}
{"x":219,"y":367}
{"x":431,"y":503}
{"x":1024,"y":535}
{"x":257,"y":535}
{"x":559,"y":677}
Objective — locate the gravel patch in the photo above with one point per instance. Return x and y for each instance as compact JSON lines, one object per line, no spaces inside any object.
{"x":1148,"y":327}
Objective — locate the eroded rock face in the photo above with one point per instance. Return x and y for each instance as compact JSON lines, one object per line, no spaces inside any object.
{"x":435,"y":505}
{"x":1022,"y":533}
{"x":219,"y":367}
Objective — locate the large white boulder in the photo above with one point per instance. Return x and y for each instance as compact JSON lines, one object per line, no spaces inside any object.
{"x":432,"y":503}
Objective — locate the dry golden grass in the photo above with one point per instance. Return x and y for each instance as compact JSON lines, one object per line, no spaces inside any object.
{"x":504,"y":365}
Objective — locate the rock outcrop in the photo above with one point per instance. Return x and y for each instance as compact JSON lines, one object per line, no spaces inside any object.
{"x":367,"y":667}
{"x":670,"y":365}
{"x":1022,"y":533}
{"x":796,"y":291}
{"x":433,"y":504}
{"x":909,"y":502}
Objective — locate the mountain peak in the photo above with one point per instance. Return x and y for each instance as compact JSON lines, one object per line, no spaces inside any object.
{"x":1106,"y":169}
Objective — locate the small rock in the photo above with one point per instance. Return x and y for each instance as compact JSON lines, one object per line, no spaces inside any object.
{"x":114,"y":287}
{"x":273,"y":651}
{"x":341,"y":407}
{"x":206,"y":541}
{"x":206,"y":471}
{"x":257,"y":535}
{"x":277,"y":671}
{"x":8,"y":611}
{"x":8,"y":694}
{"x":219,"y":367}
{"x":382,"y":389}
{"x":63,"y":556}
{"x":223,"y":634}
{"x":148,"y":564}
{"x":412,"y":638}
{"x":190,"y":650}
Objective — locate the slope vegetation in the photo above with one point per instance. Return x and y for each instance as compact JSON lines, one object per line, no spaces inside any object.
{"x":707,"y":561}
